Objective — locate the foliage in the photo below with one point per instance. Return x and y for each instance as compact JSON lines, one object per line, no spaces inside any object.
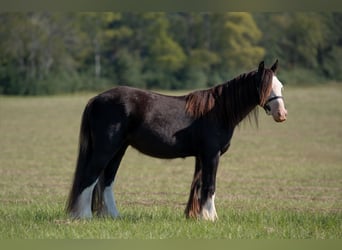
{"x":243,"y":35}
{"x":305,"y":41}
{"x":95,"y":50}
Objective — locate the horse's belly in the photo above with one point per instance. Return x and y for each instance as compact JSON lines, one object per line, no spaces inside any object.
{"x":165,"y":153}
{"x":161,"y":145}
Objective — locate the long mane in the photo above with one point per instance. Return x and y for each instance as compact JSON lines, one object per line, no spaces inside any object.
{"x":234,"y":99}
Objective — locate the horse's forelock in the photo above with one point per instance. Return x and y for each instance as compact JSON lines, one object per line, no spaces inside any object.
{"x":265,"y":86}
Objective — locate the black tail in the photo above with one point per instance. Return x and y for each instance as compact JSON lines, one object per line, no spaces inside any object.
{"x":85,"y":151}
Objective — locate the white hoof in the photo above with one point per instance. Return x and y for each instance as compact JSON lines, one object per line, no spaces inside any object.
{"x":82,"y":209}
{"x":208,"y":211}
{"x":110,"y":204}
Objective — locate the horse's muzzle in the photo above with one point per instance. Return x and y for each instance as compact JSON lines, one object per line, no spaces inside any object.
{"x":280,"y":116}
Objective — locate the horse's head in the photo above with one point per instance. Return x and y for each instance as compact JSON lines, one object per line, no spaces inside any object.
{"x":274,"y":102}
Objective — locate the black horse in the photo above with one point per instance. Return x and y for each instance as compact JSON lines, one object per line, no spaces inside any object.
{"x":199,"y":124}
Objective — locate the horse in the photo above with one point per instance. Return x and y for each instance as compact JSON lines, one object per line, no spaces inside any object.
{"x":200,"y":125}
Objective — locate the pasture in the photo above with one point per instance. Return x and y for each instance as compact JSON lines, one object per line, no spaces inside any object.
{"x":277,"y":181}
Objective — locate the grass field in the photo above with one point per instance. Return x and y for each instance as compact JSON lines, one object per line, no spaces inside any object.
{"x":278,"y":181}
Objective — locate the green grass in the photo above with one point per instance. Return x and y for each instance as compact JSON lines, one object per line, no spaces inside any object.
{"x":278,"y":181}
{"x":159,"y":222}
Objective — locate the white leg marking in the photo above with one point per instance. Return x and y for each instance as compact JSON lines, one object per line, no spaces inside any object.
{"x":209,"y":211}
{"x":83,"y":206}
{"x":109,"y":201}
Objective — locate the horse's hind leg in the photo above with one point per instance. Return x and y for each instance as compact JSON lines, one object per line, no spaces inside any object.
{"x":88,"y":181}
{"x":82,"y":209}
{"x":109,"y":174}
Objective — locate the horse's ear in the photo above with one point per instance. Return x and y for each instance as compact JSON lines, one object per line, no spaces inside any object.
{"x":261,"y":67}
{"x":275,"y":66}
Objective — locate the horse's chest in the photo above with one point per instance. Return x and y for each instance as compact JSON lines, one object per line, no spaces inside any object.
{"x":224,"y":141}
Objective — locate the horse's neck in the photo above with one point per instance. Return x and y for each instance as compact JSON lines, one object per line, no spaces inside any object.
{"x":234,"y":103}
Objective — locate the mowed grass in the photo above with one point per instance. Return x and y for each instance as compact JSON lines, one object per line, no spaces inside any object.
{"x":277,"y":181}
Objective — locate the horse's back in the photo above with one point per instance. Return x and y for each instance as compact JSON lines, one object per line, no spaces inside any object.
{"x":153,"y":123}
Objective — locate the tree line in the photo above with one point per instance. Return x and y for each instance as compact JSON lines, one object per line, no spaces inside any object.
{"x":48,"y":53}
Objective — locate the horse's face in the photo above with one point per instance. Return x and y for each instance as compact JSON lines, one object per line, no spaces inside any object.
{"x":275,"y":103}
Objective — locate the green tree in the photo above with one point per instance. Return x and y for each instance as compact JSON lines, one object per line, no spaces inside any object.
{"x":199,"y":70}
{"x":242,"y":36}
{"x":274,"y":38}
{"x":307,"y":43}
{"x":36,"y":46}
{"x":330,"y":52}
{"x":128,"y":69}
{"x":306,"y":35}
{"x":165,"y":55}
{"x":102,"y":37}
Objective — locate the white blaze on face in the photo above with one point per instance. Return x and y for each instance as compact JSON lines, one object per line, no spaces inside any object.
{"x":277,"y":106}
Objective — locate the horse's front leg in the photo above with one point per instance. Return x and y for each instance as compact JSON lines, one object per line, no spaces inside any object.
{"x":208,"y":210}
